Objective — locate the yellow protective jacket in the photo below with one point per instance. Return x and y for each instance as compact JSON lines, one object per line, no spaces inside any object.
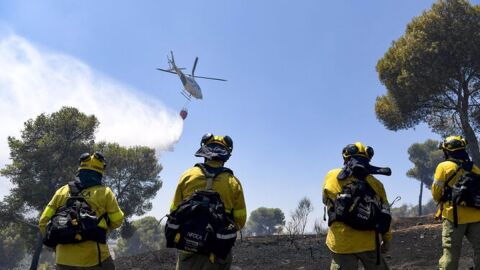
{"x":443,"y":172}
{"x":227,"y":185}
{"x":342,"y":238}
{"x":102,"y":200}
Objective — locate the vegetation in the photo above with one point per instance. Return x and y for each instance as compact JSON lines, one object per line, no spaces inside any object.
{"x":265,"y":221}
{"x":46,"y":158}
{"x":132,"y":174}
{"x":299,"y":217}
{"x":147,"y":237}
{"x":406,"y":210}
{"x":425,"y":157}
{"x":12,"y":247}
{"x":432,"y":73}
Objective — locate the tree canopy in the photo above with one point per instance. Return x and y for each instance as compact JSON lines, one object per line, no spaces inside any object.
{"x":265,"y":221}
{"x":132,"y":174}
{"x":432,"y":73}
{"x":425,"y":157}
{"x":45,"y":158}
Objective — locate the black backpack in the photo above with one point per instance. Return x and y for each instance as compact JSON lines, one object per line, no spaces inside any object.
{"x":200,"y":223}
{"x":74,"y":222}
{"x":358,"y":207}
{"x":466,"y":192}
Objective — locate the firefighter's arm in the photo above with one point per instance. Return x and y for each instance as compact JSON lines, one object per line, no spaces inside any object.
{"x":438,"y":183}
{"x":386,"y":237}
{"x":50,"y":210}
{"x":330,"y":187}
{"x":239,"y":207}
{"x":177,"y":198}
{"x":114,"y":213}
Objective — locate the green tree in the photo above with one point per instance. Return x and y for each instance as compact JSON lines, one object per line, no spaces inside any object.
{"x":425,"y":157}
{"x":132,"y":174}
{"x":43,"y":159}
{"x":265,"y":221}
{"x":147,"y":237}
{"x":432,"y":73}
{"x":46,"y":158}
{"x":12,"y":246}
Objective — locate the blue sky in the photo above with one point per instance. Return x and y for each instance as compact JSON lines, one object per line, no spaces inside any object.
{"x":301,"y":83}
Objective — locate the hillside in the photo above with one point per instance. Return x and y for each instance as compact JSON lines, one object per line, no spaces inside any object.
{"x":416,"y":245}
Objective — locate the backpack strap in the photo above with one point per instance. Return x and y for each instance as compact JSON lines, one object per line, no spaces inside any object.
{"x":211,"y":173}
{"x":75,"y":187}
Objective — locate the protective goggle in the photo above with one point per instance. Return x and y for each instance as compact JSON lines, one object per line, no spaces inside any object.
{"x":223,"y":140}
{"x":357,"y":149}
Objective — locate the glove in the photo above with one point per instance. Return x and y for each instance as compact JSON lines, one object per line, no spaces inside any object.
{"x":385,"y":246}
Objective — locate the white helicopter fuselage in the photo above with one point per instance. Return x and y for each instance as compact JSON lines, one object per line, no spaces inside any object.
{"x":189,"y":84}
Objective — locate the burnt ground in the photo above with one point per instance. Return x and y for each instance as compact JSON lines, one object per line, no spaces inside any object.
{"x":416,"y":245}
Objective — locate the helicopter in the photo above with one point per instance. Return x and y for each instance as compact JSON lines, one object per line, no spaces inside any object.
{"x":190,"y":86}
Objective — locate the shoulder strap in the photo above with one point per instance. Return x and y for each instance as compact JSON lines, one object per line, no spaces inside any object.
{"x":212,"y":172}
{"x":75,"y":187}
{"x":459,"y":167}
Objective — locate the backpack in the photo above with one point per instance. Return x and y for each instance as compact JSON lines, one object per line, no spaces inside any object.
{"x":200,"y":223}
{"x":358,"y":207}
{"x":466,"y":192}
{"x":74,"y":222}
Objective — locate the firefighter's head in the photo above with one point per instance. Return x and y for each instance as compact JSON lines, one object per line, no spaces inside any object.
{"x":357,"y":149}
{"x":454,"y":147}
{"x":92,"y":162}
{"x":453,"y":143}
{"x":214,"y":147}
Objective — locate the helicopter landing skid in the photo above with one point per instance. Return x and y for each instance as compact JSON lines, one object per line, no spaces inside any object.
{"x":186,"y":95}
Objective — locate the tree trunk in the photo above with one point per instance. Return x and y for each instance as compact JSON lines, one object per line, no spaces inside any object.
{"x":36,"y":254}
{"x":420,"y":199}
{"x":472,"y":145}
{"x":468,"y":131}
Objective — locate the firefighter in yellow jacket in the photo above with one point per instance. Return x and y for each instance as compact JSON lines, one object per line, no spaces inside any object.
{"x":86,"y":254}
{"x":447,"y":174}
{"x":347,"y":244}
{"x":215,"y":150}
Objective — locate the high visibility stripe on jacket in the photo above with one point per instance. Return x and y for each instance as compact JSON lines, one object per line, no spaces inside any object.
{"x":342,"y":238}
{"x":443,"y":172}
{"x":102,"y":200}
{"x":227,"y":185}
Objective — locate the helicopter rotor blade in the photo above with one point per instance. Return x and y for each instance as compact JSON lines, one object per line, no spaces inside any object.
{"x":209,"y":78}
{"x":194,"y":66}
{"x":166,"y":70}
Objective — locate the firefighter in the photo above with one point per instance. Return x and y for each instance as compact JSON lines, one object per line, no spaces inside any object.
{"x":215,"y":150}
{"x":93,"y":252}
{"x":349,"y":238}
{"x":458,"y":220}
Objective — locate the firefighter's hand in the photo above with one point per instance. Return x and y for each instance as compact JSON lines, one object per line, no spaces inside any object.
{"x":385,"y":246}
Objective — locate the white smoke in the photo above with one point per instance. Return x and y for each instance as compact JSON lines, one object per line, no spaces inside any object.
{"x":35,"y":81}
